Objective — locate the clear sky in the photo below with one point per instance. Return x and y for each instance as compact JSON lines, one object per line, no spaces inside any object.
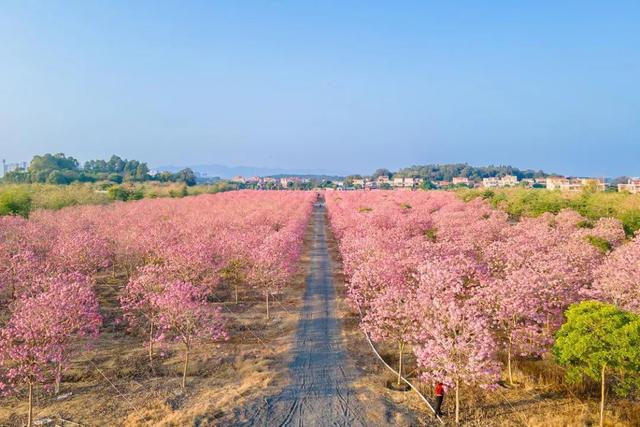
{"x":340,"y":86}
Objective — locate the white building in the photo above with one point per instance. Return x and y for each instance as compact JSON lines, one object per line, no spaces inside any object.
{"x":632,"y":186}
{"x":409,"y":182}
{"x":491,"y":182}
{"x":509,"y":181}
{"x":461,"y":180}
{"x":574,"y":184}
{"x":383,"y":179}
{"x":359,"y":182}
{"x":495,"y":182}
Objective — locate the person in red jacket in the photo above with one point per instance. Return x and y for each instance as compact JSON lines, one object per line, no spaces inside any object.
{"x":439,"y":392}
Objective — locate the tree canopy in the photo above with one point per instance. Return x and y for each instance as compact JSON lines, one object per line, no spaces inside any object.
{"x":446,"y":172}
{"x":599,"y":339}
{"x":61,"y":169}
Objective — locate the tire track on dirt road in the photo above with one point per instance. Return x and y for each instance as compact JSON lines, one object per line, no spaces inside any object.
{"x":319,"y":392}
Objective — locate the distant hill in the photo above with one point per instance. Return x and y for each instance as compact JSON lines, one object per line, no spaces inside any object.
{"x":223,"y":171}
{"x":446,"y":172}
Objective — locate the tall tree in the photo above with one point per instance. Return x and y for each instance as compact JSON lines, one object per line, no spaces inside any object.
{"x":599,"y":339}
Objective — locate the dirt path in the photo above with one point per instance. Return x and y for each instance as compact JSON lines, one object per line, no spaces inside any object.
{"x":319,"y":392}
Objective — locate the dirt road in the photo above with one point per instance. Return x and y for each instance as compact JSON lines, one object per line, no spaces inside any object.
{"x":318,"y":393}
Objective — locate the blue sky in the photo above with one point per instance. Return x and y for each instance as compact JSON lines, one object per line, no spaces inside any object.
{"x":338,"y":86}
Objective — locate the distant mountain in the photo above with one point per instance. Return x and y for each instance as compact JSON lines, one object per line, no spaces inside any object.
{"x":223,"y":171}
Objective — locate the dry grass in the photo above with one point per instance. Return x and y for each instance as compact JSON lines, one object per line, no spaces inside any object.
{"x":112,"y":383}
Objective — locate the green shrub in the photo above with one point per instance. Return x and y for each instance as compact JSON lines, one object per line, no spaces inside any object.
{"x":602,"y":244}
{"x":631,"y":221}
{"x":519,"y":202}
{"x":15,"y":201}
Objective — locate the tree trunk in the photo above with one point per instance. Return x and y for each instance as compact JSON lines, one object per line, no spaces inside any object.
{"x":401,"y":350}
{"x":267,"y":304}
{"x":58,"y":377}
{"x":151,"y":347}
{"x":457,"y":401}
{"x":236,"y":294}
{"x":602,"y":394}
{"x":509,"y":363}
{"x":186,"y":366}
{"x":30,"y":413}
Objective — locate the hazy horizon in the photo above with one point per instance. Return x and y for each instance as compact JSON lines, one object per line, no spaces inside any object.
{"x":336,"y":87}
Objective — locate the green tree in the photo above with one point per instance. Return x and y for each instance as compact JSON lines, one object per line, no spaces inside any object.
{"x":187,"y":176}
{"x":381,"y":172}
{"x":115,"y":164}
{"x":427,"y":185}
{"x":598,"y":339}
{"x":142,"y":172}
{"x":15,"y":201}
{"x":49,"y":162}
{"x":115,"y":177}
{"x":17,"y":177}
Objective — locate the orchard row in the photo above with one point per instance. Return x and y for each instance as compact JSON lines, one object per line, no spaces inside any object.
{"x":175,"y":252}
{"x":469,"y":290}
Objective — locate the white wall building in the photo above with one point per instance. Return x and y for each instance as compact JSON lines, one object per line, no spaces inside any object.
{"x":632,"y":186}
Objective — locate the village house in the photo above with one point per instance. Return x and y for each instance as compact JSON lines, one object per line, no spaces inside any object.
{"x":508,"y":181}
{"x":383,"y":179}
{"x":409,"y":182}
{"x":495,"y":182}
{"x":492,"y":182}
{"x":359,"y":182}
{"x":238,"y":178}
{"x":574,"y":184}
{"x":398,"y":181}
{"x":632,"y":186}
{"x":461,"y":180}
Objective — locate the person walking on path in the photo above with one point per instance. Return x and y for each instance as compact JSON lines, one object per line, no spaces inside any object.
{"x":439,"y":398}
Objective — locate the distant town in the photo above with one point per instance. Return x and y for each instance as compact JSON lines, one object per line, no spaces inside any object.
{"x":386,"y":182}
{"x":434,"y":177}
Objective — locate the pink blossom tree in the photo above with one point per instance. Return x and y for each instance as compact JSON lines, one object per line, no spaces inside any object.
{"x":453,"y":344}
{"x":390,"y":319}
{"x":138,"y":303}
{"x":618,"y":278}
{"x":186,"y":315}
{"x":35,"y":344}
{"x":234,"y":273}
{"x":273,"y":263}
